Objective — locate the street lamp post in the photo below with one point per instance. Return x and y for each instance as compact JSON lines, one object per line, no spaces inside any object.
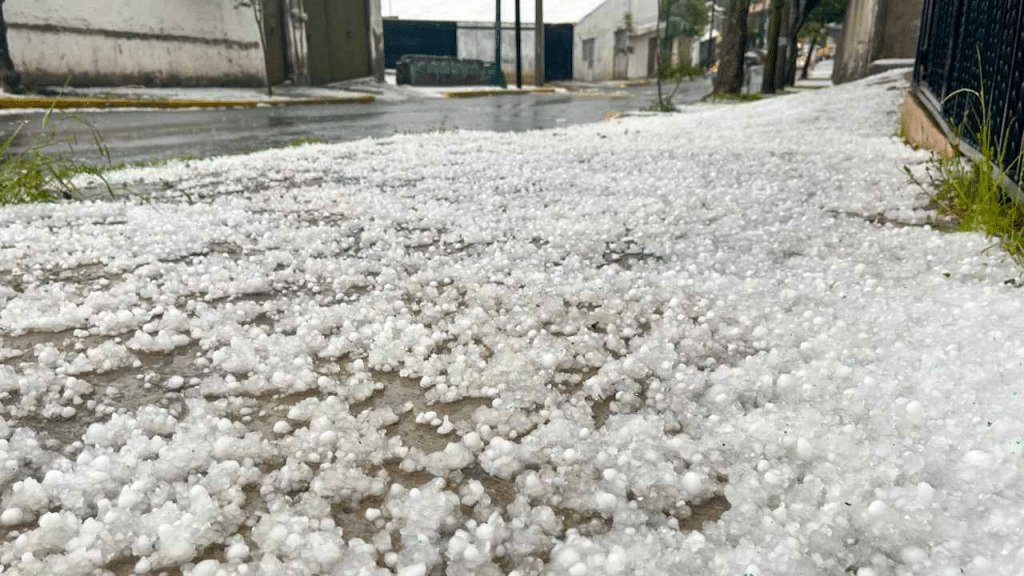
{"x":519,"y":49}
{"x":538,"y":44}
{"x":711,"y":37}
{"x":499,"y":76}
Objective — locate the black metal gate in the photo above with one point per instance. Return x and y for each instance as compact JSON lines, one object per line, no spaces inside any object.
{"x":972,"y":48}
{"x":557,"y":52}
{"x":431,"y":38}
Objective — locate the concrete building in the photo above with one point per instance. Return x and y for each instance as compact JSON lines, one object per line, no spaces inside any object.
{"x":877,"y":34}
{"x":193,"y":42}
{"x":616,"y":41}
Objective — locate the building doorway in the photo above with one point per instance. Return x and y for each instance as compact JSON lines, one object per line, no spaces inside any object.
{"x":338,"y":35}
{"x":620,"y":61}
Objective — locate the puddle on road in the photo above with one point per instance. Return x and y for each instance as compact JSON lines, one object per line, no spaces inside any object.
{"x":421,"y":436}
{"x":709,"y":510}
{"x":351,"y":517}
{"x":120,"y":390}
{"x":412,"y":479}
{"x":399,"y":391}
{"x":260,"y":413}
{"x":26,"y":343}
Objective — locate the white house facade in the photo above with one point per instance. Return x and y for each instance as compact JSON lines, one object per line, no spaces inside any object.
{"x":618,"y":41}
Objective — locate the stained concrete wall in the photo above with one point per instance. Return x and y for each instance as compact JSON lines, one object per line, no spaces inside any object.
{"x":156,"y":42}
{"x":902,"y":24}
{"x":376,"y":40}
{"x":637,"y":17}
{"x":599,"y":26}
{"x":876,"y":30}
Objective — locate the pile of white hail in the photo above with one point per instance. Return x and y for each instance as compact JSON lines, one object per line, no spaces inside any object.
{"x":721,"y":342}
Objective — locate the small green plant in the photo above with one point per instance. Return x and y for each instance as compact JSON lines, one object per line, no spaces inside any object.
{"x":676,"y":73}
{"x":677,"y":19}
{"x":976,"y":192}
{"x":730,"y":97}
{"x":156,"y":163}
{"x":305,"y":141}
{"x":36,"y":174}
{"x":974,"y":195}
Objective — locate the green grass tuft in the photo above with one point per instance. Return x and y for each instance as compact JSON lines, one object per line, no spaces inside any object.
{"x":976,"y":193}
{"x":36,"y":175}
{"x":305,"y":142}
{"x":729,"y":97}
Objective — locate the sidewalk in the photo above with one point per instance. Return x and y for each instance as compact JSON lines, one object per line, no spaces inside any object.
{"x":350,"y":92}
{"x":138,"y":97}
{"x":719,"y":342}
{"x":355,"y":91}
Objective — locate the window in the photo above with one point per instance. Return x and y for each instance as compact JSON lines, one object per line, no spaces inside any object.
{"x":588,"y":52}
{"x":621,"y":40}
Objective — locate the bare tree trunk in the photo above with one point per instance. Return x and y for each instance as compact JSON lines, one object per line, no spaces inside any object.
{"x":787,"y":47}
{"x":768,"y":79}
{"x":810,"y":54}
{"x":798,"y":18}
{"x":734,"y":43}
{"x":794,"y":53}
{"x":10,"y":80}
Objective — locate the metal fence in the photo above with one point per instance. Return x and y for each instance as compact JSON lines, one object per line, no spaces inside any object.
{"x":972,"y":48}
{"x":431,"y":38}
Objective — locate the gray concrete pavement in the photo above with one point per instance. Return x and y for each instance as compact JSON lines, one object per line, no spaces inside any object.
{"x":151,"y":134}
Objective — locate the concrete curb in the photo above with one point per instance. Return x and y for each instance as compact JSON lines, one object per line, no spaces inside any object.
{"x":921,"y":129}
{"x":67,"y":102}
{"x":478,"y":93}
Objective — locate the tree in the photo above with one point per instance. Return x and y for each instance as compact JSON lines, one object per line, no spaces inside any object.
{"x":813,"y":30}
{"x":788,"y":17}
{"x":676,"y":19}
{"x":830,"y":10}
{"x":771,"y":59}
{"x":10,"y":80}
{"x":734,"y":45}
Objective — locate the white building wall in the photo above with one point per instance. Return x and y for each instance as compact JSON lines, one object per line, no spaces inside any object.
{"x":600,"y":26}
{"x":134,"y":41}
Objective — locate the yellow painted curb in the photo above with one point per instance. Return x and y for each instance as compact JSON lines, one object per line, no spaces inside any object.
{"x":476,"y":93}
{"x":63,"y":103}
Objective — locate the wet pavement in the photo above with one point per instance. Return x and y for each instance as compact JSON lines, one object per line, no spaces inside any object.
{"x":151,"y":134}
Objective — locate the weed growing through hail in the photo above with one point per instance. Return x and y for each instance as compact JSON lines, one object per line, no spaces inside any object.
{"x":976,"y":192}
{"x":36,"y":174}
{"x":305,"y":141}
{"x":729,"y":97}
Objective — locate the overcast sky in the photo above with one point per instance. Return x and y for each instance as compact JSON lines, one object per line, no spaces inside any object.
{"x":555,"y":11}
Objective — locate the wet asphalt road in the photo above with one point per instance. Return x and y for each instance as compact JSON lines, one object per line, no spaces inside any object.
{"x":145,"y":135}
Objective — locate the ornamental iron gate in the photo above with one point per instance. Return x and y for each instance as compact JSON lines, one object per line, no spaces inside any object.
{"x":968,"y":48}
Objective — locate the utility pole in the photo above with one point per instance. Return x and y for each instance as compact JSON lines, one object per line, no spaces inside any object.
{"x":538,"y":45}
{"x":657,"y":62}
{"x":499,"y":76}
{"x":519,"y":49}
